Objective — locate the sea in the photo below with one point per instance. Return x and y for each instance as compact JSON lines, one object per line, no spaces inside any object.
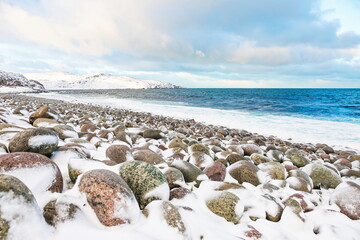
{"x":330,"y":116}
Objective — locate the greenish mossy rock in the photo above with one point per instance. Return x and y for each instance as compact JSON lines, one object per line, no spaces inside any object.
{"x":275,"y":170}
{"x":146,"y":181}
{"x":245,"y":171}
{"x":4,"y":228}
{"x":174,"y":177}
{"x":301,"y":174}
{"x":322,"y":176}
{"x":65,"y":131}
{"x":191,"y":173}
{"x":259,"y":158}
{"x":225,"y":205}
{"x":297,"y":157}
{"x":148,"y":156}
{"x":37,"y":140}
{"x":198,"y":147}
{"x":9,"y":183}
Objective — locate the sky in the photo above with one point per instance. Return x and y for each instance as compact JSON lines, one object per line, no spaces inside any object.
{"x":191,"y":43}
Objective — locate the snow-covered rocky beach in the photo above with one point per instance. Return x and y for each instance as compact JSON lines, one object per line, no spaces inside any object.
{"x":80,"y":171}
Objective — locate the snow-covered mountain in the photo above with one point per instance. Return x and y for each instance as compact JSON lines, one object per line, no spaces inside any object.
{"x":15,"y":82}
{"x":61,"y":80}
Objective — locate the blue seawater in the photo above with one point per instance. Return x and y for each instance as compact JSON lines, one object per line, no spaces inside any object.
{"x":339,"y":105}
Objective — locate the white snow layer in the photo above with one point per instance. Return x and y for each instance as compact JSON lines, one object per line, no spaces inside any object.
{"x":61,"y":80}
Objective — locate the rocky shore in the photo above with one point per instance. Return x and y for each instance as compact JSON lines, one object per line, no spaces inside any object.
{"x":70,"y":171}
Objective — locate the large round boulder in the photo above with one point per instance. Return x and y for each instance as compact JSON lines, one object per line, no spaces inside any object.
{"x":226,"y":205}
{"x":37,"y":140}
{"x":245,"y":171}
{"x":146,"y":181}
{"x":36,"y":170}
{"x":119,"y":153}
{"x":110,"y":197}
{"x":297,"y":157}
{"x":322,"y":176}
{"x":347,"y":197}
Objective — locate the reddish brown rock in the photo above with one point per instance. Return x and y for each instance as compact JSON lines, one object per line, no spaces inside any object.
{"x":216,"y":171}
{"x":88,"y":127}
{"x":347,"y":197}
{"x":110,"y":197}
{"x":13,"y":161}
{"x":118,"y":153}
{"x":179,"y":193}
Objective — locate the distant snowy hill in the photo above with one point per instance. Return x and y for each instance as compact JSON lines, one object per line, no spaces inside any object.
{"x":61,"y":80}
{"x":15,"y":82}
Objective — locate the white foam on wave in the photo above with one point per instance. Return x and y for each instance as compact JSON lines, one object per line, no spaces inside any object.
{"x":340,"y":135}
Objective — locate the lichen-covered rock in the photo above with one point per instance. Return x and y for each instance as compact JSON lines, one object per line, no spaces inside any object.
{"x":65,"y":131}
{"x":322,"y":176}
{"x":13,"y":163}
{"x":274,"y":170}
{"x":152,"y":133}
{"x":148,"y":156}
{"x":43,"y":112}
{"x":110,"y":197}
{"x":258,"y":158}
{"x":4,"y":229}
{"x":251,"y":148}
{"x":37,"y":140}
{"x":245,"y":171}
{"x":57,"y":212}
{"x":119,"y":153}
{"x":216,"y":171}
{"x":191,"y":173}
{"x":347,"y":197}
{"x":174,"y":177}
{"x":167,"y":211}
{"x":297,"y":157}
{"x":226,"y":205}
{"x":146,"y":181}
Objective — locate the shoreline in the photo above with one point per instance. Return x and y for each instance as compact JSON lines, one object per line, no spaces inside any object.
{"x":294,"y":137}
{"x":214,"y":182}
